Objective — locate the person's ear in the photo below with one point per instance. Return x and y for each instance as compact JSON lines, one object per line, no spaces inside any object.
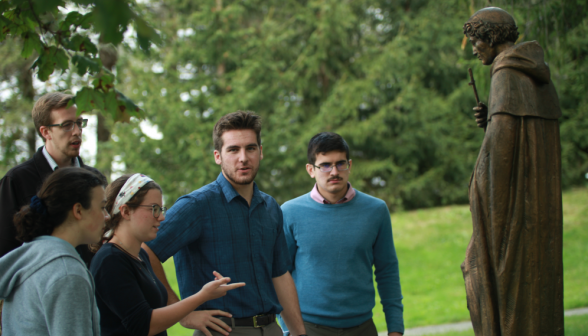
{"x":77,"y":211}
{"x":261,"y":152}
{"x":45,"y":132}
{"x":125,"y":212}
{"x":350,"y":165}
{"x":310,"y":170}
{"x":217,"y":157}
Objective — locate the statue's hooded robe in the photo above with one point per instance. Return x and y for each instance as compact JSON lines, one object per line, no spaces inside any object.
{"x":513,"y":268}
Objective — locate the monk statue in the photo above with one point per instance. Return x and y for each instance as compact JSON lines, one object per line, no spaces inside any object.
{"x":513,"y":269}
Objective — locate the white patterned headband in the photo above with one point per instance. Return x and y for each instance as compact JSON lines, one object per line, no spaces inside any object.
{"x":129,"y":189}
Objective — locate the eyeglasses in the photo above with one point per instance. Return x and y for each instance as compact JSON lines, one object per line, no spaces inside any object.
{"x":327,"y":167}
{"x":69,"y":125}
{"x":156,"y":210}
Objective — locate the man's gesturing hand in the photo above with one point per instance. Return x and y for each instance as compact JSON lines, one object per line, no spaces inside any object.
{"x":481,"y":115}
{"x":204,"y":319}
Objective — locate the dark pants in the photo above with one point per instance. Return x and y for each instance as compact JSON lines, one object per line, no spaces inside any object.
{"x":269,"y":330}
{"x":367,"y":328}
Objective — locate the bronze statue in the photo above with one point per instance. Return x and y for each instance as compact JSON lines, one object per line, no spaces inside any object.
{"x":513,"y":269}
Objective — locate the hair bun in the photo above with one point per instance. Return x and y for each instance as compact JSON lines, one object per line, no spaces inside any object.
{"x":38,"y":206}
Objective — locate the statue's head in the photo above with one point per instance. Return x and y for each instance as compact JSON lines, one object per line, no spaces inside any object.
{"x":488,"y":29}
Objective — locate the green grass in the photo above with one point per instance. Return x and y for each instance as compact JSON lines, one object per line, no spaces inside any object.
{"x":574,"y":326}
{"x":431,"y":246}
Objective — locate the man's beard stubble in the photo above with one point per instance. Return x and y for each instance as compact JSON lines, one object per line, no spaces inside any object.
{"x":230,"y":175}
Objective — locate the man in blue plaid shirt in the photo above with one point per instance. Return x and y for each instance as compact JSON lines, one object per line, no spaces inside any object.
{"x":231,"y":227}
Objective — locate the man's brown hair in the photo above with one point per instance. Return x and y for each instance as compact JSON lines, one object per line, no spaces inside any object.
{"x":240,"y":120}
{"x":42,"y":110}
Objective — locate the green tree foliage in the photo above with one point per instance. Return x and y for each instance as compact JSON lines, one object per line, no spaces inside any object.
{"x":60,"y":38}
{"x":390,"y":76}
{"x":67,"y":42}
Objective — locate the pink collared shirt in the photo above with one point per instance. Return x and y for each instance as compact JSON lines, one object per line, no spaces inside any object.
{"x":315,"y":195}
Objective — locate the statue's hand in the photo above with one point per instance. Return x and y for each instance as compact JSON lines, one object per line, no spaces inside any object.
{"x":481,"y":114}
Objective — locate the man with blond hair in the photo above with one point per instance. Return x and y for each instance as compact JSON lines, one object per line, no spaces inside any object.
{"x":61,"y":129}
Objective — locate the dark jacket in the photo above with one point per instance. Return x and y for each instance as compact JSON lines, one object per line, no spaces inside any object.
{"x":16,"y":189}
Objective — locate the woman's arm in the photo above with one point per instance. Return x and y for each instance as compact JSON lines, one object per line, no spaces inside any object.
{"x":165,"y":317}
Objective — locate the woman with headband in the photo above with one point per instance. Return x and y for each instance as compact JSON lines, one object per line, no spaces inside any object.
{"x":46,"y":286}
{"x":132,"y":301}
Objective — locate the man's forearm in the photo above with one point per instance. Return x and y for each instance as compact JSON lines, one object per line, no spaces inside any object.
{"x":160,"y":273}
{"x":288,"y":297}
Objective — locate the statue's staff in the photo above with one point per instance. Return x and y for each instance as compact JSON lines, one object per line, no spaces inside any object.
{"x":473,"y":85}
{"x":481,"y":109}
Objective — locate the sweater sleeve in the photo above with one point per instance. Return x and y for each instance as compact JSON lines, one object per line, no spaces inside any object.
{"x":69,"y":307}
{"x":290,"y":237}
{"x":387,"y":274}
{"x":8,"y":207}
{"x":118,"y":289}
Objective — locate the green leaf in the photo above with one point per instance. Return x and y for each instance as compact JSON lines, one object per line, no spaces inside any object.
{"x":75,"y":42}
{"x":107,"y":79}
{"x":31,"y":41}
{"x":145,"y":34}
{"x":111,"y":18}
{"x":42,"y":6}
{"x":86,"y":21}
{"x":85,"y":64}
{"x":88,"y":46}
{"x":110,"y":103}
{"x":127,"y":105}
{"x":48,"y":59}
{"x":82,"y":43}
{"x":4,"y":5}
{"x":71,"y":19}
{"x":76,"y":19}
{"x":45,"y":67}
{"x":104,"y":81}
{"x":84,"y":99}
{"x":60,"y":58}
{"x":97,"y":100}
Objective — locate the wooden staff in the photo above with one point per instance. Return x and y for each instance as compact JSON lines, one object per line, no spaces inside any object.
{"x":473,"y":84}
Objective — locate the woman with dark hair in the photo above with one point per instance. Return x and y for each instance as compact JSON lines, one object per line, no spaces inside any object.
{"x":131,"y":299}
{"x":45,"y":284}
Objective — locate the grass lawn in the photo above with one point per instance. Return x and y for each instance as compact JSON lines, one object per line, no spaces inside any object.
{"x":431,"y":246}
{"x":574,"y":326}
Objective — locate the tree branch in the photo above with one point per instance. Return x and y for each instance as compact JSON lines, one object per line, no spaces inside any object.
{"x":57,"y":37}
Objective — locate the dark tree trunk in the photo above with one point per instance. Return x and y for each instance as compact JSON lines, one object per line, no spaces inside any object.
{"x":25,"y":79}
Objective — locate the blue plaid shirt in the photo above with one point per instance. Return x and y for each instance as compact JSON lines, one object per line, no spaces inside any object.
{"x":213,"y":228}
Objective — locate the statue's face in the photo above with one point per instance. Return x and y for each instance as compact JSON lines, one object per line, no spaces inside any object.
{"x":483,"y":51}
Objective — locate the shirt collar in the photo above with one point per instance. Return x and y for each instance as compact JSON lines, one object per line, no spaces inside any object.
{"x":230,"y":192}
{"x":315,"y":195}
{"x":53,"y":164}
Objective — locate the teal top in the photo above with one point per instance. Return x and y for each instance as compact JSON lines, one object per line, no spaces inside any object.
{"x":334,"y":248}
{"x":47,"y":290}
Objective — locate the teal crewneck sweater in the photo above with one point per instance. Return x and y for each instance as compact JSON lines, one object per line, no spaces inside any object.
{"x":333,"y":248}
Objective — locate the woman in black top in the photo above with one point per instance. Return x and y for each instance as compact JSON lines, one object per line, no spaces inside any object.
{"x":131,"y":299}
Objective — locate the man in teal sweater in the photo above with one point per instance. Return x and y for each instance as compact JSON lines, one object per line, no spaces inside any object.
{"x":335,"y":235}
